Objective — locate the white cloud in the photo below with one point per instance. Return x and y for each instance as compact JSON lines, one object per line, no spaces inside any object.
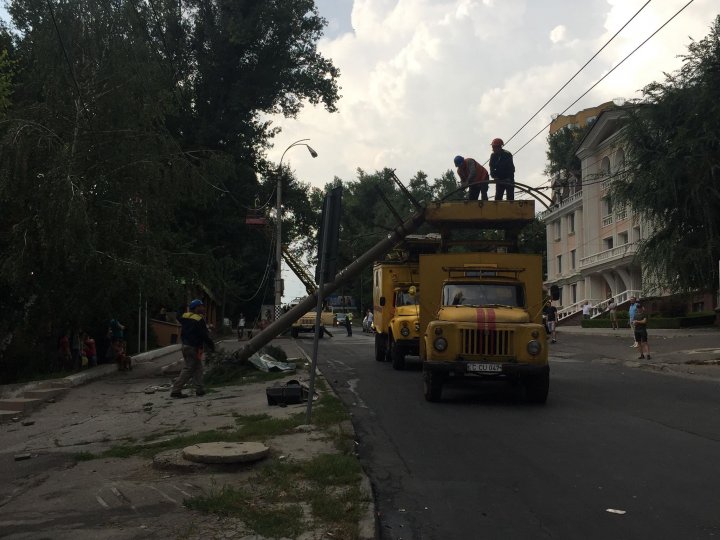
{"x":557,"y":34}
{"x":423,"y":80}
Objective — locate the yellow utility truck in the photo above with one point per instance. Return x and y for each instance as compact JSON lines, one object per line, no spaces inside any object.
{"x":481,"y":311}
{"x":396,"y":311}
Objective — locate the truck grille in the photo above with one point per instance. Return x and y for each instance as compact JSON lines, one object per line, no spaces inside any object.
{"x":487,"y":342}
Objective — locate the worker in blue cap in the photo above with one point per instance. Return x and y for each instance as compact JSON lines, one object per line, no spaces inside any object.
{"x":195,"y":337}
{"x":474,"y":176}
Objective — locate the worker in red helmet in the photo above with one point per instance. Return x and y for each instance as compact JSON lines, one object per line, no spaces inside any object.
{"x":474,"y":176}
{"x":502,"y":170}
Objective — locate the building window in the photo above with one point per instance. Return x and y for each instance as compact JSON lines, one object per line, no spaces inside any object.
{"x":571,"y":223}
{"x":622,"y":238}
{"x":573,"y":290}
{"x":572,"y":259}
{"x":556,"y":229}
{"x":605,"y":166}
{"x":636,"y":234}
{"x":697,"y":307}
{"x":559,"y":264}
{"x":608,"y":243}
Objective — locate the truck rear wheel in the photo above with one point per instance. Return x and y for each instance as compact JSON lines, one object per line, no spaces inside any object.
{"x":380,"y":347}
{"x":536,"y":388}
{"x":397,"y":355}
{"x":433,"y":383}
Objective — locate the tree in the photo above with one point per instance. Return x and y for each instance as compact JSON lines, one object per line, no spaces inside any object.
{"x":672,"y":163}
{"x":132,"y":147}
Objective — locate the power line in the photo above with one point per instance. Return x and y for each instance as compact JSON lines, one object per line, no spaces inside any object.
{"x":609,"y":72}
{"x":578,"y":71}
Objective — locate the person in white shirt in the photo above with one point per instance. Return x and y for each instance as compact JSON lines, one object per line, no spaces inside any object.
{"x":586,"y":310}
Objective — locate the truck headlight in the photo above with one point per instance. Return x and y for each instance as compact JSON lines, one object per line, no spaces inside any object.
{"x":534,"y":347}
{"x":405,"y":331}
{"x":440,"y":344}
{"x":417,"y":326}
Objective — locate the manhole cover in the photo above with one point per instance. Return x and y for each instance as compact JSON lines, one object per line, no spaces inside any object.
{"x":225,"y":452}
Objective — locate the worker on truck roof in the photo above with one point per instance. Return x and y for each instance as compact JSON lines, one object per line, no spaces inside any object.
{"x":474,"y":176}
{"x":502,"y":170}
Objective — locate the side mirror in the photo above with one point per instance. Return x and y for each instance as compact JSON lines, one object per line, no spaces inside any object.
{"x":382,"y":300}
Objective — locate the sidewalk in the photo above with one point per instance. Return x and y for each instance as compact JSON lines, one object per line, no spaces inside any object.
{"x":46,"y":491}
{"x":693,"y":352}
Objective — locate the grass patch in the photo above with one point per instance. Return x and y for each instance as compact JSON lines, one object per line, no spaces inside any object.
{"x":328,"y":485}
{"x":271,"y":521}
{"x":84,"y":456}
{"x":262,"y":426}
{"x":237,"y":374}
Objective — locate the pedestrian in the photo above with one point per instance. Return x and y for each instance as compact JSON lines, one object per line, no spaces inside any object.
{"x":241,"y":326}
{"x":587,"y":307}
{"x":64,"y":354}
{"x":550,"y":312}
{"x":612,"y":311}
{"x":502,"y":170}
{"x":641,"y":336}
{"x":473,"y":176}
{"x":631,"y":317}
{"x":76,"y":349}
{"x":195,"y":337}
{"x":348,"y":324}
{"x":90,"y":349}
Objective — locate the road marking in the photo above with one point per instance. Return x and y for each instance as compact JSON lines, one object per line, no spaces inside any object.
{"x":165,"y":495}
{"x":102,"y":502}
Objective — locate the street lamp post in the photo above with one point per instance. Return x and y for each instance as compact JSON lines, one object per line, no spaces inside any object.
{"x":278,"y":218}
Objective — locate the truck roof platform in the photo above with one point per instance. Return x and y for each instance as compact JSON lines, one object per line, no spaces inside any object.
{"x":480,"y":214}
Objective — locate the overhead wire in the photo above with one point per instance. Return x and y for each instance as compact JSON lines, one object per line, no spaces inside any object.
{"x":609,"y":72}
{"x":578,"y":71}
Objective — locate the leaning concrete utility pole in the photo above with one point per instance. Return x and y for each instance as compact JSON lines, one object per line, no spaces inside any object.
{"x":348,"y":273}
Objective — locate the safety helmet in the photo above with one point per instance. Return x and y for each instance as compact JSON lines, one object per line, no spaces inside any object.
{"x":497,"y":142}
{"x":459,"y":160}
{"x":195,"y":303}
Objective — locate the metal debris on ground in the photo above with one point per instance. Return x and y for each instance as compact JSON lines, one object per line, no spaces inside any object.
{"x":266,"y":363}
{"x":615,"y":511}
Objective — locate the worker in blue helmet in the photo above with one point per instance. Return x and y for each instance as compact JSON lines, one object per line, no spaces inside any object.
{"x":473,"y":176}
{"x":195,"y":337}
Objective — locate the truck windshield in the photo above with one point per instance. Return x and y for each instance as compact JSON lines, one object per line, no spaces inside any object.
{"x":484,"y":294}
{"x":404,"y":298}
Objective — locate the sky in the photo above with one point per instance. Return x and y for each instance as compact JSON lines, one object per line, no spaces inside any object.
{"x":425,"y":80}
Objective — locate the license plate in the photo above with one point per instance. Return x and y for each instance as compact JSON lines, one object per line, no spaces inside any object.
{"x":484,"y":368}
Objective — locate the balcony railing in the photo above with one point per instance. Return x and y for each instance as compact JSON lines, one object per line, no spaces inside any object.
{"x":620,"y":215}
{"x":609,"y":255}
{"x":562,"y":204}
{"x":607,"y":220}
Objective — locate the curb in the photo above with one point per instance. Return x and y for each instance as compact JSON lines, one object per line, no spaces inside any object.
{"x":367,"y":526}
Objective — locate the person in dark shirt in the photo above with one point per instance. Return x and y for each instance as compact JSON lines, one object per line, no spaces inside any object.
{"x":502,"y":170}
{"x":195,"y":337}
{"x":550,"y":313}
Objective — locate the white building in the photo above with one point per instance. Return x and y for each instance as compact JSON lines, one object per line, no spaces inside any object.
{"x":591,"y":243}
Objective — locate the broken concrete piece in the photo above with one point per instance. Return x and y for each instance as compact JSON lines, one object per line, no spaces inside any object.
{"x":22,"y":457}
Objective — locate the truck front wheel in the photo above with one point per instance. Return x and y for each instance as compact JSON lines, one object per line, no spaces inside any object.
{"x":433,"y":383}
{"x":397,"y":355}
{"x":380,"y":347}
{"x":536,"y":388}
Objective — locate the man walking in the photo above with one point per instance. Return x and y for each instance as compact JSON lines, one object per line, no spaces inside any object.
{"x":502,"y":170}
{"x":641,"y":336}
{"x":194,"y":336}
{"x":474,"y":176}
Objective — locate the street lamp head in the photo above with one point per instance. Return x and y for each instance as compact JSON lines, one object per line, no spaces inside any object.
{"x":313,"y":153}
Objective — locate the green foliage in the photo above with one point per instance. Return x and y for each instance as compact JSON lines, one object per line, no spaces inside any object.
{"x":561,"y":152}
{"x":130,"y":152}
{"x":673,"y":160}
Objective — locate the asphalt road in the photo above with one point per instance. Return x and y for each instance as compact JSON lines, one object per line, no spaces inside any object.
{"x":617,"y":453}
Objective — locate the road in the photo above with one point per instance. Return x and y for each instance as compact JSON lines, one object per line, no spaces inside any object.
{"x":618,"y":452}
